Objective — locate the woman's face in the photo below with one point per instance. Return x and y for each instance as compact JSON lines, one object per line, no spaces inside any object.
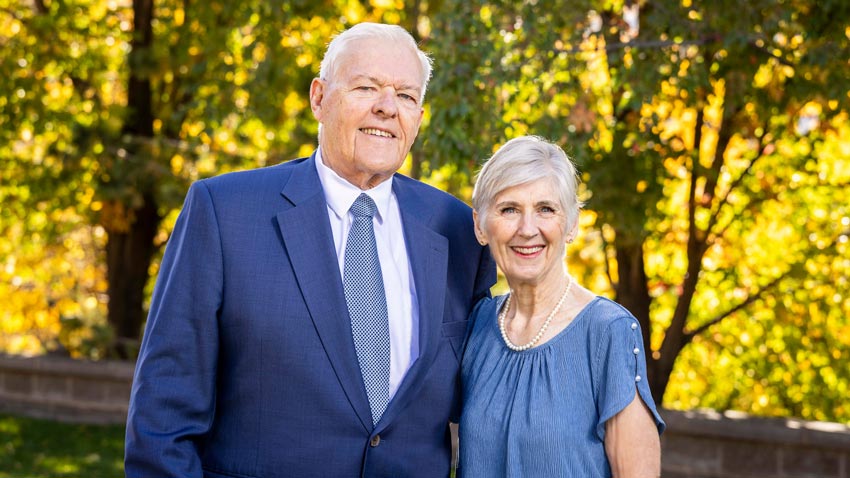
{"x":526,"y":228}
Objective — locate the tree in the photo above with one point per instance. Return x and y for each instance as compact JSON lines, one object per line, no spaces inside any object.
{"x":47,"y":110}
{"x":698,"y":131}
{"x":117,"y":108}
{"x":739,"y":87}
{"x":712,"y":147}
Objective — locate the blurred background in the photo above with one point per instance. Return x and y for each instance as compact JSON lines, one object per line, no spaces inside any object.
{"x":712,"y":138}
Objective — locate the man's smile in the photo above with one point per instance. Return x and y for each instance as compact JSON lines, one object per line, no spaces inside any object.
{"x":377,"y":132}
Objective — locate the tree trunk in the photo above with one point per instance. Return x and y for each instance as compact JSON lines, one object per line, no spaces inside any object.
{"x":416,"y":163}
{"x":128,"y":256}
{"x":633,"y":294}
{"x":675,"y":338}
{"x":129,"y":251}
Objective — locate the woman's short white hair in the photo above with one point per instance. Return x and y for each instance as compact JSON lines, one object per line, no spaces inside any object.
{"x":523,"y":160}
{"x":392,"y":34}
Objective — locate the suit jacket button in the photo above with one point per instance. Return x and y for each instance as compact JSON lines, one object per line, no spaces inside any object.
{"x":376,"y":440}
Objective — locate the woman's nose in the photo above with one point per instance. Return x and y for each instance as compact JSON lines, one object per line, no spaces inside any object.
{"x":528,"y":225}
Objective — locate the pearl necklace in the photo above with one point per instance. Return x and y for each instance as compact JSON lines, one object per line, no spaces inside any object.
{"x":504,"y":312}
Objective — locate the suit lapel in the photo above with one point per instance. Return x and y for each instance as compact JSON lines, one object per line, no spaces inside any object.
{"x":306,"y":232}
{"x":428,"y":252}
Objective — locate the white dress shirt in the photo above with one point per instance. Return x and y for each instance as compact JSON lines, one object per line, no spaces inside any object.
{"x":402,"y":304}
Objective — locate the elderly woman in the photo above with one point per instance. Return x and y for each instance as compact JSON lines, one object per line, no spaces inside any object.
{"x":552,"y":374}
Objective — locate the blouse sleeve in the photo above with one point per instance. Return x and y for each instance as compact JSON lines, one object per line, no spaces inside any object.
{"x":620,"y":368}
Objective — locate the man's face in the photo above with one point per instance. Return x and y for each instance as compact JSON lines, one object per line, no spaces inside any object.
{"x":369,"y":110}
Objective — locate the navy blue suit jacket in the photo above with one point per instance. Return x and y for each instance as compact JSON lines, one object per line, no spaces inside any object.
{"x":247,"y":366}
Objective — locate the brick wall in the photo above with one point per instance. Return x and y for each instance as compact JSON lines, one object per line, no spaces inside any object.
{"x":734,"y":445}
{"x":696,"y":444}
{"x":63,"y":389}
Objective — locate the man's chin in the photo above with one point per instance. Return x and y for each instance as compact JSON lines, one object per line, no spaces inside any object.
{"x":376,"y":162}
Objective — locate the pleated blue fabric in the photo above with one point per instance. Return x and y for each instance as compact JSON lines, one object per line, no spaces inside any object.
{"x":542,"y":412}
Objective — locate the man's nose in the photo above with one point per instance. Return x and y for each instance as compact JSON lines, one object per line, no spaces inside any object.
{"x":387,"y":103}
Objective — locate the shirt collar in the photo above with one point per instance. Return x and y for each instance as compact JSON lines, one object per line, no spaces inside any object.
{"x":340,"y":194}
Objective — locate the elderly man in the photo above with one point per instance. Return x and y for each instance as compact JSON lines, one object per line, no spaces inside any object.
{"x":308,"y":317}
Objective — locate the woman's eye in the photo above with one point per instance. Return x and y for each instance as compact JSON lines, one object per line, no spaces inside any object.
{"x":509,"y":210}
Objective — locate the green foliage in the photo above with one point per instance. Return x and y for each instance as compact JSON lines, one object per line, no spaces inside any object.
{"x":713,"y":147}
{"x":40,"y":448}
{"x":228,"y":90}
{"x":710,"y":145}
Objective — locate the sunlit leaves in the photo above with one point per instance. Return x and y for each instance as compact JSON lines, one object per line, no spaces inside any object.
{"x":53,"y":292}
{"x":229,"y":85}
{"x":703,"y":137}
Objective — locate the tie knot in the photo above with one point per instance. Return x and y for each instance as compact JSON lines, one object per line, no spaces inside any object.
{"x":363,"y":206}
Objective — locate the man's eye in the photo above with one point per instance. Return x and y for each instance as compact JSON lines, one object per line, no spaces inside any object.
{"x":407,"y":97}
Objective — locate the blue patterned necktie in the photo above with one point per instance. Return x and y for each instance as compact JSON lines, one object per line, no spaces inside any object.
{"x":367,"y":305}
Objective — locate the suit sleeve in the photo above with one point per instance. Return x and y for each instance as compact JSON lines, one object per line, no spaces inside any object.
{"x":173,"y":395}
{"x":486,"y":276}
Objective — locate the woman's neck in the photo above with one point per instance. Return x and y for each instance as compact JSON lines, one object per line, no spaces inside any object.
{"x":531,"y":301}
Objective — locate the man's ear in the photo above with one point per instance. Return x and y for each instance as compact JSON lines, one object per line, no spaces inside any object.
{"x":479,"y":234}
{"x":317,"y":94}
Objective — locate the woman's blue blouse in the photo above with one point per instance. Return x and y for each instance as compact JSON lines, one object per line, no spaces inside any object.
{"x":542,"y":412}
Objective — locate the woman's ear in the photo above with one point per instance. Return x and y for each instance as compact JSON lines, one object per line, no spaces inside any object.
{"x":479,"y":234}
{"x":572,"y":234}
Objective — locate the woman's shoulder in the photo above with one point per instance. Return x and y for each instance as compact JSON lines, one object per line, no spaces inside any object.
{"x":486,"y":305}
{"x":603,"y":313}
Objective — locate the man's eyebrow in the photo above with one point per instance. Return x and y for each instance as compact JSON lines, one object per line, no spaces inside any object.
{"x":405,"y":86}
{"x":365,"y":77}
{"x":376,"y":81}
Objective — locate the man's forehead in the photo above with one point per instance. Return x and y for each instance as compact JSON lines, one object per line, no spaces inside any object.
{"x":364,"y":58}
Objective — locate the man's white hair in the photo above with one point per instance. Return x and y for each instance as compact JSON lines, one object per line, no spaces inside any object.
{"x":392,"y":34}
